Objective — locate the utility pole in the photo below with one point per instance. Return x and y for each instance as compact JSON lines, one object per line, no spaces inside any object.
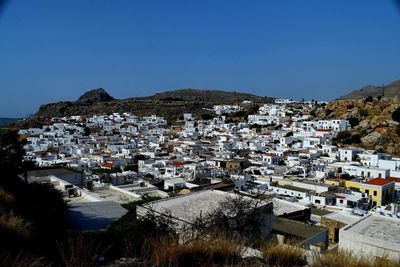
{"x":383,"y":90}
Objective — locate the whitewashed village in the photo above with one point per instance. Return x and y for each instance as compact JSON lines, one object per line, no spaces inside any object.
{"x":312,"y":190}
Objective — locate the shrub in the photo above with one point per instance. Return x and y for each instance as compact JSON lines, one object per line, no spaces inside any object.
{"x":363,"y":112}
{"x":369,"y":99}
{"x":206,"y":117}
{"x":396,"y":115}
{"x":354,"y":121}
{"x":347,"y":138}
{"x":289,"y":134}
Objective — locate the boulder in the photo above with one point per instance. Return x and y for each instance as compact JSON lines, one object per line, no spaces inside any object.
{"x":371,"y":139}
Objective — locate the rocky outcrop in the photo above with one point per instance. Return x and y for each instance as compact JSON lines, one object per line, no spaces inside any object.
{"x":375,"y":125}
{"x":93,"y":96}
{"x":371,"y":140}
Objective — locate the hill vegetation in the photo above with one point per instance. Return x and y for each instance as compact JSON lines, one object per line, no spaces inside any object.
{"x":171,"y":104}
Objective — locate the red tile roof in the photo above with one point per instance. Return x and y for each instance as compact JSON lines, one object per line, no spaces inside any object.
{"x":379,"y":181}
{"x":178,"y":163}
{"x":108,"y":165}
{"x":395,"y":179}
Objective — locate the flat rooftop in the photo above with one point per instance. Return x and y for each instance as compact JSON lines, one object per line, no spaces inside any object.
{"x":319,"y":212}
{"x":190,"y":207}
{"x":67,"y":175}
{"x":377,"y":227}
{"x":109,"y":194}
{"x":295,"y":188}
{"x":92,"y":216}
{"x":295,"y":228}
{"x":343,"y":217}
{"x":282,"y":207}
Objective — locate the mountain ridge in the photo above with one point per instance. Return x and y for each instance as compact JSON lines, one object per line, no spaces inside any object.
{"x":170,"y":104}
{"x":390,"y":90}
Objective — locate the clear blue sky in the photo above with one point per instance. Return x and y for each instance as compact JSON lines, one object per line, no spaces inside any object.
{"x":56,"y":50}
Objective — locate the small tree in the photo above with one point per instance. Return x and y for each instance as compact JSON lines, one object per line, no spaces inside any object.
{"x":396,"y":115}
{"x":354,"y":121}
{"x":236,"y":215}
{"x":369,"y":99}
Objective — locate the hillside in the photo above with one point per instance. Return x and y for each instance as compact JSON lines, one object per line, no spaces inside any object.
{"x":171,"y":104}
{"x":390,"y":90}
{"x":212,"y":96}
{"x":374,"y":127}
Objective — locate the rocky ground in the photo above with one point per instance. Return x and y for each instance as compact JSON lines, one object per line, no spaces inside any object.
{"x":372,"y":121}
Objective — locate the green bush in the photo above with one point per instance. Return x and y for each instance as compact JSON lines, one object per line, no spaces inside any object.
{"x":396,"y":115}
{"x":354,"y":121}
{"x":347,"y":138}
{"x":369,"y":99}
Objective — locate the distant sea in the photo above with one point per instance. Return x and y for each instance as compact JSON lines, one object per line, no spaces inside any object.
{"x":7,"y":121}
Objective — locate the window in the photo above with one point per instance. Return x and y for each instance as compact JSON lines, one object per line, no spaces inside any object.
{"x":367,"y":191}
{"x":341,"y":201}
{"x":317,"y":201}
{"x":375,"y":193}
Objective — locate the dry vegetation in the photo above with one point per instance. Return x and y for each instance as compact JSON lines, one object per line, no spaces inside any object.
{"x":276,"y":254}
{"x":218,"y":249}
{"x":348,"y":259}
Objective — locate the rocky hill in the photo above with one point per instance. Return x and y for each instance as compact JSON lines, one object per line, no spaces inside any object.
{"x":211,"y":96}
{"x":171,"y":104}
{"x":391,"y":90}
{"x":93,"y":96}
{"x":373,"y":125}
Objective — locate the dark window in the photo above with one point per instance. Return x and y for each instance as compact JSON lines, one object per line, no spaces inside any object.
{"x":367,"y":191}
{"x":375,"y":193}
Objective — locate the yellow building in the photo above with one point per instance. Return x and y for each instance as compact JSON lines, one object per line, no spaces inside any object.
{"x":380,"y":190}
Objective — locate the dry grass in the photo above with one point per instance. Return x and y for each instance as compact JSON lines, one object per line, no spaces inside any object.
{"x":81,"y":251}
{"x":6,"y":197}
{"x":348,"y":259}
{"x":283,"y":255}
{"x":14,"y":224}
{"x":22,"y":260}
{"x":213,"y":250}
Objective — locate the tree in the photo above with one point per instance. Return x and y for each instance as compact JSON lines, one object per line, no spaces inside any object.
{"x":236,"y":215}
{"x":396,"y":115}
{"x":289,"y":134}
{"x":354,"y":121}
{"x":347,"y":138}
{"x":369,"y":99}
{"x":87,"y":131}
